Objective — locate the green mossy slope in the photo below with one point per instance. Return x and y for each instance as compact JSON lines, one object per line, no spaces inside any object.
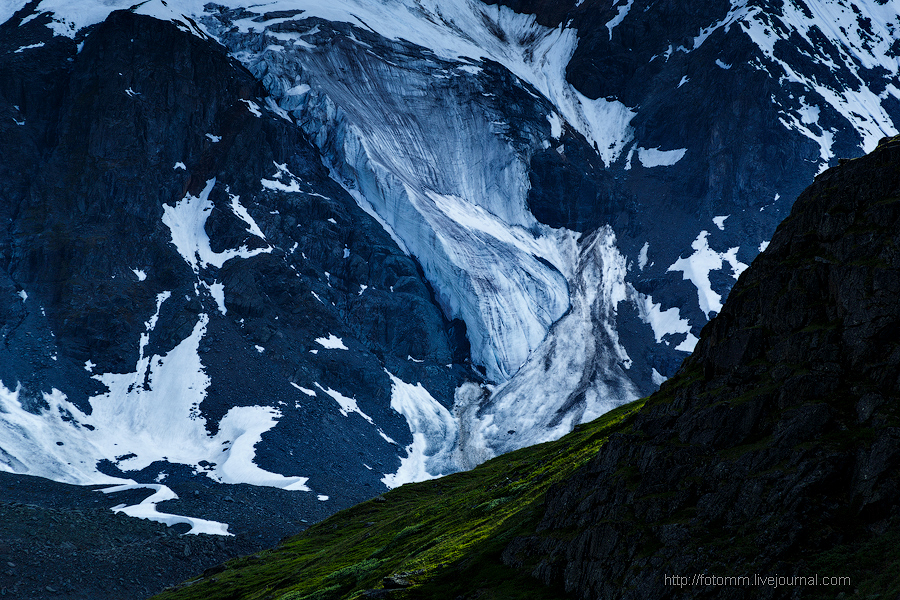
{"x":436,"y":539}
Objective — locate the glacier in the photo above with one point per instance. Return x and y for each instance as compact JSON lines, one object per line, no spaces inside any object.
{"x":429,"y":114}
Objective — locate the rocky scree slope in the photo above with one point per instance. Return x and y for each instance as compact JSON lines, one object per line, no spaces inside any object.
{"x":776,"y":448}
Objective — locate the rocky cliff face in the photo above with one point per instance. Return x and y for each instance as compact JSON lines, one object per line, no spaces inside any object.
{"x":175,"y":252}
{"x":779,"y":439}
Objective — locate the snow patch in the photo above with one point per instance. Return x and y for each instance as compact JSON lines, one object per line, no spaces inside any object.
{"x":642,"y":256}
{"x":240,"y":212}
{"x":253,"y":107}
{"x":555,"y":125}
{"x":306,"y":391}
{"x":720,"y":222}
{"x":697,"y":266}
{"x":217,"y":291}
{"x":434,"y":434}
{"x":332,"y":342}
{"x":293,"y":184}
{"x":347,"y":405}
{"x":187,"y":223}
{"x":663,"y":322}
{"x":620,"y":16}
{"x":689,"y":343}
{"x":29,"y":47}
{"x":146,"y":509}
{"x":654,"y":157}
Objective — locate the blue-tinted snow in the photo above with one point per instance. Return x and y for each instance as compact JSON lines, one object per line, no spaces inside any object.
{"x":159,"y":422}
{"x":331,"y":342}
{"x":434,"y":432}
{"x":620,"y":16}
{"x":654,"y":157}
{"x":697,"y":266}
{"x":186,"y":222}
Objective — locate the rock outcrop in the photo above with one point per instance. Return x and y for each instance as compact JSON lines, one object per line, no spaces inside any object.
{"x":776,"y":448}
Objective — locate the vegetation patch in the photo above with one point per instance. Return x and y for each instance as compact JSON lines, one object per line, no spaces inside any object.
{"x":436,"y":539}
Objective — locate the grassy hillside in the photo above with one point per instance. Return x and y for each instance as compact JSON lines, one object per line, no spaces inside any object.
{"x":435,"y":539}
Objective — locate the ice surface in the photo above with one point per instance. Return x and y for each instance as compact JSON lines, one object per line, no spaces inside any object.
{"x":509,"y":321}
{"x":434,"y":432}
{"x":576,"y":374}
{"x":140,"y":274}
{"x":720,"y":221}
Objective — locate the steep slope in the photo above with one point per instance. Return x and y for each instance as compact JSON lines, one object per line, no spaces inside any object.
{"x":187,"y":292}
{"x":436,"y":539}
{"x":210,"y":232}
{"x":776,"y":450}
{"x":524,"y":158}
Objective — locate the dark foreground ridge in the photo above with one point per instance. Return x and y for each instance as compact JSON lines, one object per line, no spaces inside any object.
{"x":773,"y":452}
{"x":775,"y":449}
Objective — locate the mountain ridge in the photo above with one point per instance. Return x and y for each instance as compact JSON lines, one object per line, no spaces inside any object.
{"x":779,"y":438}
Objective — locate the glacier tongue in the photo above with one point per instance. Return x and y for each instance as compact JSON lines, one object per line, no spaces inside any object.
{"x":439,"y":163}
{"x":444,"y":166}
{"x":576,"y":374}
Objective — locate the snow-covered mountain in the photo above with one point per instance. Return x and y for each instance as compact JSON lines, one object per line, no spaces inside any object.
{"x":333,"y":247}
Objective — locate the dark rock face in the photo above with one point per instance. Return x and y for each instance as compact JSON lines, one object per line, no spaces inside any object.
{"x":698,"y":79}
{"x":115,"y":134}
{"x":780,"y":437}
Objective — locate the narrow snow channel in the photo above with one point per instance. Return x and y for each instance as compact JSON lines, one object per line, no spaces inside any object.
{"x":146,"y":509}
